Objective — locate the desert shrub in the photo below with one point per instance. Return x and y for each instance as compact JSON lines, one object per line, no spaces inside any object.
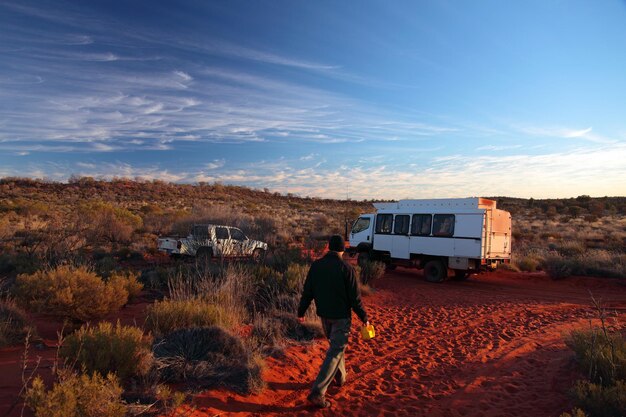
{"x":127,"y":281}
{"x":576,"y":412}
{"x":14,"y":325}
{"x":280,"y":258}
{"x":598,"y":263}
{"x":208,"y":357}
{"x":123,"y":350}
{"x":19,"y":263}
{"x":601,"y":354}
{"x":72,"y":292}
{"x":599,"y":400}
{"x":294,"y":277}
{"x":371,"y":271}
{"x":528,"y":263}
{"x":77,"y":396}
{"x":155,"y":279}
{"x":167,"y":316}
{"x":571,"y":248}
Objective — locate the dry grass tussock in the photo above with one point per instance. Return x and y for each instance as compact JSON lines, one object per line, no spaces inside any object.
{"x":601,"y":355}
{"x":208,"y":357}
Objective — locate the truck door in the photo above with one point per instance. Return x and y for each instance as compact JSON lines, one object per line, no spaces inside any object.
{"x":238,"y":239}
{"x":361,"y":231}
{"x":222,"y":242}
{"x":401,"y":239}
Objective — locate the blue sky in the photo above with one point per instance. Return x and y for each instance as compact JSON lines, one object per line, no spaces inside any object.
{"x":388,"y":99}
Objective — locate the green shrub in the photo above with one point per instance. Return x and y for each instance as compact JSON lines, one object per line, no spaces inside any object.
{"x":13,"y":324}
{"x":371,"y":271}
{"x":72,"y":292}
{"x":528,"y":263}
{"x":601,"y":355}
{"x":77,"y":396}
{"x":599,"y":400}
{"x":294,"y":277}
{"x":109,"y":349}
{"x":208,"y":357}
{"x":167,"y":316}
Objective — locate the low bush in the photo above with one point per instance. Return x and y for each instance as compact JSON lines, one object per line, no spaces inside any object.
{"x":208,"y":357}
{"x":280,"y":258}
{"x":123,"y":350}
{"x":598,"y":263}
{"x":528,"y":263}
{"x":127,"y":281}
{"x":371,"y":271}
{"x":600,"y":354}
{"x":71,"y":292}
{"x":599,"y":400}
{"x":77,"y":396}
{"x":14,"y":324}
{"x":576,"y":412}
{"x":167,"y":316}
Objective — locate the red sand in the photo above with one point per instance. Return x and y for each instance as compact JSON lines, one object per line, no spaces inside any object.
{"x":490,"y":346}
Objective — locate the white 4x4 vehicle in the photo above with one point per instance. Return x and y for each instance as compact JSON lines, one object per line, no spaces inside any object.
{"x":207,"y":241}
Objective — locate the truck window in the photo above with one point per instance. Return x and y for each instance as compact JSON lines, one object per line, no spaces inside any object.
{"x":443,"y":225}
{"x":383,"y":223}
{"x":221,"y":233}
{"x":362,"y":223}
{"x":237,"y":234}
{"x":401,"y":224}
{"x":420,"y":226}
{"x":200,"y":232}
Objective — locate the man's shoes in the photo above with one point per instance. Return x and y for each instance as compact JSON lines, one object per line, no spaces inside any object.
{"x":318,"y":401}
{"x":338,"y":380}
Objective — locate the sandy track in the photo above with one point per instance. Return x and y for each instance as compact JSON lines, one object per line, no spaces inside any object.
{"x":490,"y":346}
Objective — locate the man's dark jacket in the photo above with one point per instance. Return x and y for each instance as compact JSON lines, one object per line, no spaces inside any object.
{"x":331,"y":282}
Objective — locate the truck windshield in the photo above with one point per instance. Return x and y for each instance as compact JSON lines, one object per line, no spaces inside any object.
{"x":363,"y":223}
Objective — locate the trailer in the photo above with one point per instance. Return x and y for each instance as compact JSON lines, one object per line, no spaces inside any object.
{"x":456,"y":236}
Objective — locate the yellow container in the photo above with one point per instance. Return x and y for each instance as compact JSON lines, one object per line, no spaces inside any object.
{"x":367,"y":332}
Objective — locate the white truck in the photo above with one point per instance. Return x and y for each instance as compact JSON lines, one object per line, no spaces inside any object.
{"x":206,"y":241}
{"x":461,"y":235}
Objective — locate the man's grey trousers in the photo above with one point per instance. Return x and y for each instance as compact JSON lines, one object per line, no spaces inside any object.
{"x":337,"y":332}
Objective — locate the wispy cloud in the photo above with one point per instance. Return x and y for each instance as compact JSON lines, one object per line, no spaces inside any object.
{"x":566,"y":133}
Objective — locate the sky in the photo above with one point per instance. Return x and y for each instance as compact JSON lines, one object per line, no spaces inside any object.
{"x":352,"y":99}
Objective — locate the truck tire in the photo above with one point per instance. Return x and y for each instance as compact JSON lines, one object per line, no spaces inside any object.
{"x":435,"y":271}
{"x":204,"y":254}
{"x":364,"y":257}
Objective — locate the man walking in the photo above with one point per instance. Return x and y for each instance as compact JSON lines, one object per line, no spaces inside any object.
{"x":331,"y":282}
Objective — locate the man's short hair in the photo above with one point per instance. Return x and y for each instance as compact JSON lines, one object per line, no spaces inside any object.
{"x":336,"y":243}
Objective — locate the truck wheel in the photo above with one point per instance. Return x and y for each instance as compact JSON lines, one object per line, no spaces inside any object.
{"x":435,"y":271}
{"x":461,"y":275}
{"x":364,"y":257}
{"x":204,"y":255}
{"x":258,"y":255}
